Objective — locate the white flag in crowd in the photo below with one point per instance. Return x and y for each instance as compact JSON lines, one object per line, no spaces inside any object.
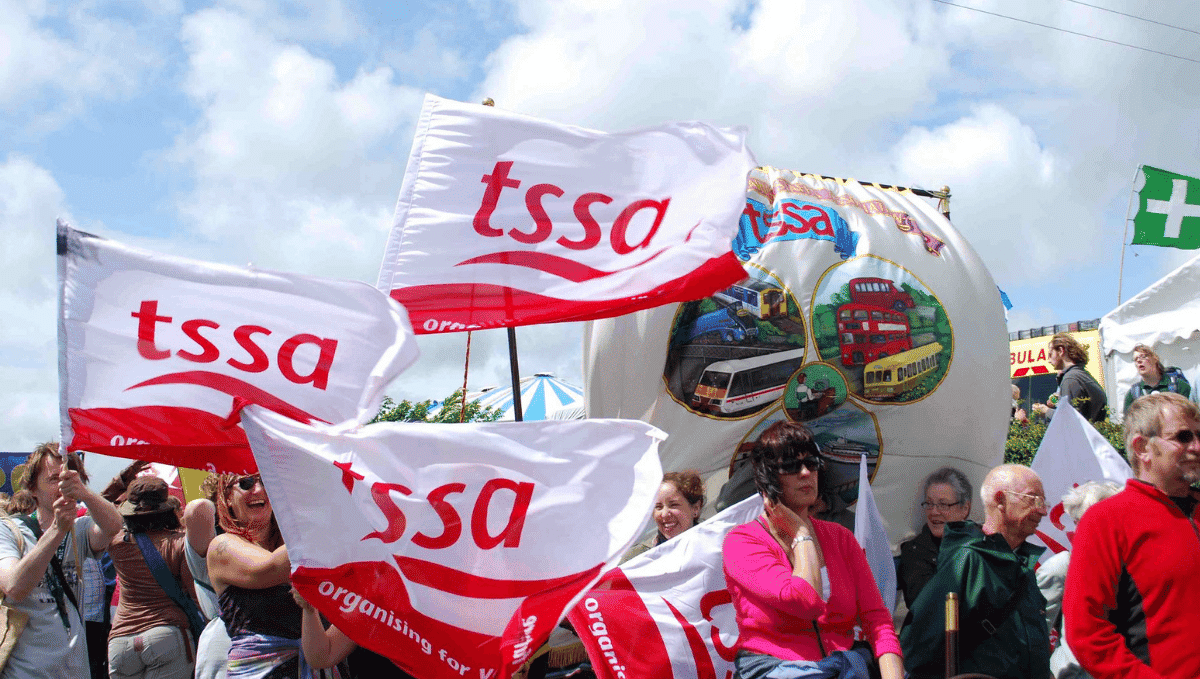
{"x":1072,"y":452}
{"x":454,"y":550}
{"x":873,"y":538}
{"x":666,"y":614}
{"x":154,"y":349}
{"x":508,"y":220}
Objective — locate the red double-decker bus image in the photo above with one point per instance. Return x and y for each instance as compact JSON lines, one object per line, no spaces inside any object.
{"x":868,"y":333}
{"x":879,"y":292}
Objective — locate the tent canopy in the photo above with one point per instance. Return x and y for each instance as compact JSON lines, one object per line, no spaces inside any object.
{"x":543,"y":397}
{"x":1165,"y":317}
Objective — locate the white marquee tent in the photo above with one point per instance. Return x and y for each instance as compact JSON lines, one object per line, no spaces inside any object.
{"x":1165,"y":317}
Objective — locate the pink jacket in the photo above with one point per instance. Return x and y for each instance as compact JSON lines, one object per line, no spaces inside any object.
{"x":776,"y":610}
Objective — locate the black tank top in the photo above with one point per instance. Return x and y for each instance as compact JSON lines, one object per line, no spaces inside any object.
{"x":271,"y":611}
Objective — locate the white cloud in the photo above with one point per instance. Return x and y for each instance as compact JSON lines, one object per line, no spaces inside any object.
{"x":30,"y":200}
{"x":60,"y":57}
{"x":313,"y":164}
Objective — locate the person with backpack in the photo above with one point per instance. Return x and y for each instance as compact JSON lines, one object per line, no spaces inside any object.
{"x":1155,"y":377}
{"x":152,"y":633}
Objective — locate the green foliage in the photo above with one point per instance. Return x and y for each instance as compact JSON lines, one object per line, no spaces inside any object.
{"x":1023,"y":440}
{"x":451,"y":412}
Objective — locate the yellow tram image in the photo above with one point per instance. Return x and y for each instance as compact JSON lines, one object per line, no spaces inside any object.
{"x":893,"y":375}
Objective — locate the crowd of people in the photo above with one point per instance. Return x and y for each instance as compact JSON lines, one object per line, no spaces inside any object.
{"x":203,"y":590}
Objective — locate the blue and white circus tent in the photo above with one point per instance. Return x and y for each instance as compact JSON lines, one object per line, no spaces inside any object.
{"x":543,"y":397}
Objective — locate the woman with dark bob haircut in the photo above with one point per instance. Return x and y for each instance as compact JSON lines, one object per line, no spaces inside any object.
{"x":801,"y":585}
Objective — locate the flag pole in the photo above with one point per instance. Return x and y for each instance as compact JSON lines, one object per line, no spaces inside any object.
{"x":518,"y":414}
{"x":1121,"y":270}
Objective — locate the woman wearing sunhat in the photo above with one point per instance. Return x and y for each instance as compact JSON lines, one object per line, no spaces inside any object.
{"x":150,"y":634}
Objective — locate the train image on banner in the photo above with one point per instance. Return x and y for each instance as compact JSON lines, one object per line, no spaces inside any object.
{"x":722,"y":324}
{"x":867,"y":333}
{"x":893,"y":375}
{"x":729,"y":387}
{"x":755,"y":297}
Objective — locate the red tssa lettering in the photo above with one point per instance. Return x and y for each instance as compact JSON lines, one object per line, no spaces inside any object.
{"x":511,"y":534}
{"x":543,"y":226}
{"x":496,"y":182}
{"x":209,"y":351}
{"x":617,"y":237}
{"x":395,"y":517}
{"x":591,"y":229}
{"x":708,"y":602}
{"x":541,"y":220}
{"x":451,"y":521}
{"x":319,"y":377}
{"x":258,"y":358}
{"x":147,"y":315}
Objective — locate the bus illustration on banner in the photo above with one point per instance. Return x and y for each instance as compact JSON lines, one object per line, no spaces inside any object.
{"x":893,"y":375}
{"x":880,"y":292}
{"x":754,"y":297}
{"x":730,"y":387}
{"x":868,"y":333}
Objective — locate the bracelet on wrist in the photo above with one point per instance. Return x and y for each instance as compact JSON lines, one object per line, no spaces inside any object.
{"x":801,"y":538}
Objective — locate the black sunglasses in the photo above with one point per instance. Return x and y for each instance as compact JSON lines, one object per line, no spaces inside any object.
{"x":248,"y":482}
{"x":792,"y":466}
{"x":1183,"y":437}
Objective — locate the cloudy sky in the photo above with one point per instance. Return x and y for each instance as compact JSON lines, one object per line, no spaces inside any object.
{"x":277,"y":132}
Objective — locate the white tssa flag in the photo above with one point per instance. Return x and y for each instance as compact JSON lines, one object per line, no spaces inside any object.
{"x":155,"y":349}
{"x":1072,"y":452}
{"x":454,"y":549}
{"x":666,"y":614}
{"x":508,"y":220}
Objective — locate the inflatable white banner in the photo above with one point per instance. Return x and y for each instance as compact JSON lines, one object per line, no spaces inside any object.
{"x":155,"y":349}
{"x":507,"y":220}
{"x":863,"y":314}
{"x":454,"y":549}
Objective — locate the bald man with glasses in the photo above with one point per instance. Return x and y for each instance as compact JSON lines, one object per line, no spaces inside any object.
{"x":1132,"y":602}
{"x":1002,"y":623}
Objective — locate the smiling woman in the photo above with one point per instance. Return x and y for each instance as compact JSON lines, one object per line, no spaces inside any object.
{"x":249,"y":569}
{"x":947,"y":498}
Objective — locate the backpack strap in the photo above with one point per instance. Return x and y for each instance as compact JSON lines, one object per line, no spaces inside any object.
{"x":170,"y":584}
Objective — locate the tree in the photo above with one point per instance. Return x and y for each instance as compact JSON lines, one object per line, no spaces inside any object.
{"x":1024,"y":439}
{"x":450,"y":412}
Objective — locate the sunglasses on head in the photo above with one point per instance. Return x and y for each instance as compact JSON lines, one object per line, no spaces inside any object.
{"x":248,"y":482}
{"x":792,"y":466}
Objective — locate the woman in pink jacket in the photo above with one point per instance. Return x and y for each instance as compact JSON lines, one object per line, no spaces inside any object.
{"x":801,"y":585}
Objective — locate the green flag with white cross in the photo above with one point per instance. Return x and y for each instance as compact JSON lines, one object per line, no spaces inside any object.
{"x":1168,"y":210}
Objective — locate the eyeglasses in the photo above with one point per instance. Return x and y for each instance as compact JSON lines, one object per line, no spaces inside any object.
{"x":1183,"y":437}
{"x":940,"y":506}
{"x":812,"y":463}
{"x":248,"y":482}
{"x":1039,"y":502}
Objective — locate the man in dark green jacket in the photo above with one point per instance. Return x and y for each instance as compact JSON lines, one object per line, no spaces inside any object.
{"x":1002,"y":623}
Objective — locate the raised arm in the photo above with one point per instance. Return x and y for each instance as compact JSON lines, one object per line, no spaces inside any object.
{"x":234,"y":561}
{"x":199,"y":521}
{"x":107,"y":520}
{"x":18,"y":576}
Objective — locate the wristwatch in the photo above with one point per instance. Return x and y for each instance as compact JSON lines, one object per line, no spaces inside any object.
{"x":801,"y":538}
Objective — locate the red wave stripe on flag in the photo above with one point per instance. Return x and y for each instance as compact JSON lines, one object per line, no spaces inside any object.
{"x":452,"y":307}
{"x":554,"y":265}
{"x":234,"y":387}
{"x":447,"y":579}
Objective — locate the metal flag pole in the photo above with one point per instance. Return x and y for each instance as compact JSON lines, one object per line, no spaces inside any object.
{"x":518,"y":414}
{"x":1121,"y":271}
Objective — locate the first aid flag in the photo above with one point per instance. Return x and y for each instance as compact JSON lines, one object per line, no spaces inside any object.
{"x":507,"y":220}
{"x":1168,"y":210}
{"x":155,"y":349}
{"x":454,"y":549}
